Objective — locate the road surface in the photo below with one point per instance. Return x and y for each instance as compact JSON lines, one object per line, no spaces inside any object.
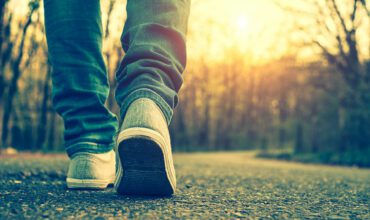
{"x":210,"y":185}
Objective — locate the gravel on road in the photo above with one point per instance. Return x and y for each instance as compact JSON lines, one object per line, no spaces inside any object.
{"x":210,"y":186}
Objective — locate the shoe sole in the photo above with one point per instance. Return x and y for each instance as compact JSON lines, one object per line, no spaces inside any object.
{"x":145,"y":166}
{"x":88,"y":184}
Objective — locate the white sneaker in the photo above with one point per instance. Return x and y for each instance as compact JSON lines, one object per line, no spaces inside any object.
{"x":91,"y":171}
{"x":144,"y":152}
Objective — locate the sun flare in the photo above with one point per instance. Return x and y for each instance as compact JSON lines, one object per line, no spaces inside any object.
{"x":242,"y":23}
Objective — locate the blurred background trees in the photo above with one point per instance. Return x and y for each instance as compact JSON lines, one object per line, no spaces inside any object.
{"x":301,"y":87}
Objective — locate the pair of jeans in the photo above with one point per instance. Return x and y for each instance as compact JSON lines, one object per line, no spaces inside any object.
{"x":155,"y":56}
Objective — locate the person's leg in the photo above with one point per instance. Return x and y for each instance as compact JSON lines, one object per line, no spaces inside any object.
{"x":80,"y":88}
{"x":79,"y":78}
{"x":154,"y":41}
{"x":148,"y":81}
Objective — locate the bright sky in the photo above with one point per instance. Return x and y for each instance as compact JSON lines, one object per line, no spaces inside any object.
{"x":243,"y":24}
{"x":258,"y":28}
{"x":249,"y":25}
{"x":254,"y":27}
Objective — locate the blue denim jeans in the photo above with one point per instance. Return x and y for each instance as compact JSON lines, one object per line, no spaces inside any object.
{"x":154,"y":42}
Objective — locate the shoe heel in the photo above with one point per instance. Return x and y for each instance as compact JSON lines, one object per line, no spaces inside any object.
{"x":142,"y":168}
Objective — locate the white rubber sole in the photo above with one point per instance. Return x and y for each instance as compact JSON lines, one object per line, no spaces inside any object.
{"x":145,"y":165}
{"x":88,"y":183}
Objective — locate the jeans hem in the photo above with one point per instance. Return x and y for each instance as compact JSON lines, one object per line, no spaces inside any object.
{"x":147,"y":93}
{"x":88,"y":147}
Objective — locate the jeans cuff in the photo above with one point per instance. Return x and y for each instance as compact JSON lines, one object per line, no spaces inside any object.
{"x":147,"y":93}
{"x":88,"y":147}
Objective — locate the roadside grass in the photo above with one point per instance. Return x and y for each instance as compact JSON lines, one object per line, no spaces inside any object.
{"x":349,"y":158}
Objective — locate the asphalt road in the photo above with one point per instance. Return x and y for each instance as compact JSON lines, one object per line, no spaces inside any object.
{"x":210,"y":185}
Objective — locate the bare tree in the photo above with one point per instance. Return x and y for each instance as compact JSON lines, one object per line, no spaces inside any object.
{"x":42,"y":122}
{"x":335,"y":32}
{"x":2,"y":10}
{"x":113,"y":53}
{"x":5,"y":44}
{"x":15,"y":67}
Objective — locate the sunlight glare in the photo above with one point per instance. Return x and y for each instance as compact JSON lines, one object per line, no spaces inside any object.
{"x":242,"y":23}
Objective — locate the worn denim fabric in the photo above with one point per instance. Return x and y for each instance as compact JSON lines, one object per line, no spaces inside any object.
{"x":154,"y":42}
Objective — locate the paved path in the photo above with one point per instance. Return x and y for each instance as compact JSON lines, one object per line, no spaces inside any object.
{"x":211,"y":185}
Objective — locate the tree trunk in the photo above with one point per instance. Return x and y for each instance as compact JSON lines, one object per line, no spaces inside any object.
{"x":8,"y":106}
{"x":51,"y":136}
{"x":356,"y":131}
{"x":42,"y":123}
{"x":5,"y":52}
{"x":12,"y":90}
{"x":299,"y":146}
{"x":283,"y":114}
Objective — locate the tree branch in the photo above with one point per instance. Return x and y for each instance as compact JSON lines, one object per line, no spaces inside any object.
{"x":339,"y":15}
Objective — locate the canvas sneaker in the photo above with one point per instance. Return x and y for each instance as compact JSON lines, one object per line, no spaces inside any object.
{"x":91,"y":171}
{"x":145,"y":164}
